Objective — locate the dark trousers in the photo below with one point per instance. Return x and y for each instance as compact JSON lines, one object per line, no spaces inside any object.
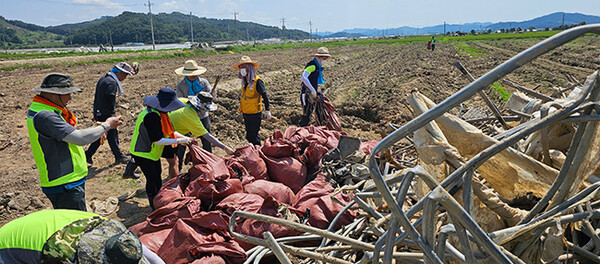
{"x":69,"y":199}
{"x":113,"y":141}
{"x":205,"y":143}
{"x":432,"y":47}
{"x":307,"y":109}
{"x":180,"y":152}
{"x":152,"y":171}
{"x":252,"y":123}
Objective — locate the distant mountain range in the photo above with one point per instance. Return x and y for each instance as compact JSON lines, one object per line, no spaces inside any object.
{"x":135,"y":27}
{"x":175,"y":28}
{"x":547,"y":21}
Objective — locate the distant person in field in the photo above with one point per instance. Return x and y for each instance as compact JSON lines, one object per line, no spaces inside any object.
{"x":153,"y":131}
{"x":187,"y":120}
{"x":312,"y":77}
{"x":192,"y":85}
{"x":107,"y":89}
{"x":251,"y":105}
{"x":57,"y":144}
{"x":433,"y":43}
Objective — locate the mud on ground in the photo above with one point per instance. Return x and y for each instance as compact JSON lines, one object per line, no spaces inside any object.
{"x":367,"y":84}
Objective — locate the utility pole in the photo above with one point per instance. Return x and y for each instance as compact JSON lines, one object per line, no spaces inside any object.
{"x":444,"y":28}
{"x":563,"y":20}
{"x":191,"y":27}
{"x":310,"y":25}
{"x":112,"y":48}
{"x":317,"y":33}
{"x":235,"y":20}
{"x":283,"y":27}
{"x":151,"y":26}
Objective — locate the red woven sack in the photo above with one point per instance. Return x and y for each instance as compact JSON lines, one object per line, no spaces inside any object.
{"x":240,"y":202}
{"x":288,"y":171}
{"x":207,"y":166}
{"x":189,"y":241}
{"x":256,"y":228}
{"x":368,"y":146}
{"x":212,"y":259}
{"x":212,"y":193}
{"x":316,"y":196}
{"x":248,"y":156}
{"x":312,"y":156}
{"x":279,"y":191}
{"x":278,"y":147}
{"x":170,"y":191}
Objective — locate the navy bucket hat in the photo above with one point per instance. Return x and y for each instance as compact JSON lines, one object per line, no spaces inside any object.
{"x":165,"y":101}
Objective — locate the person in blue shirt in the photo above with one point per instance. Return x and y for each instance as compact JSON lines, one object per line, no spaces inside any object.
{"x":191,"y":85}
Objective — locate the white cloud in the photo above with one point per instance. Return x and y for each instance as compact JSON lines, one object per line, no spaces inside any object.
{"x":102,"y":3}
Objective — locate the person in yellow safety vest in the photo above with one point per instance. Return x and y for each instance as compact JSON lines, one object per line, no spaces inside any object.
{"x":153,"y":130}
{"x":71,"y":236}
{"x":187,"y":120}
{"x":251,"y":106}
{"x":57,"y":145}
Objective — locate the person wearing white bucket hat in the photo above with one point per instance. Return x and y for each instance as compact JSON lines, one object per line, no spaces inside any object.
{"x":191,"y":85}
{"x":185,"y":121}
{"x":251,"y":105}
{"x":312,"y":76}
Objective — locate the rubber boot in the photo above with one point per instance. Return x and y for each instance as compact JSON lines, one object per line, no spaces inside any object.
{"x":130,"y":170}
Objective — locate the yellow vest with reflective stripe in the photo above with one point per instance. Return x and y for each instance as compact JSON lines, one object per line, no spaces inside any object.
{"x":140,"y":145}
{"x":250,"y":102}
{"x":75,"y":166}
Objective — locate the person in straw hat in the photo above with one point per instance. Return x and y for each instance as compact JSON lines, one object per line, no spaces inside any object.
{"x":251,"y":105}
{"x":105,"y":98}
{"x":191,"y":85}
{"x":312,"y":76}
{"x":57,"y":144}
{"x":154,"y":130}
{"x":70,"y":236}
{"x":185,"y":120}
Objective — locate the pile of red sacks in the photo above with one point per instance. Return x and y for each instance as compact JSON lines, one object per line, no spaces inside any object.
{"x":190,"y":224}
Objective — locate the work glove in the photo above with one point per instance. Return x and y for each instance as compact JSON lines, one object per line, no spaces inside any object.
{"x":314,"y":94}
{"x":184,"y":140}
{"x":228,"y":150}
{"x":267,"y":115}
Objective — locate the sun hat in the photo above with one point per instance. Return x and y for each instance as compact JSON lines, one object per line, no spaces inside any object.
{"x":190,"y":68}
{"x":165,"y":101}
{"x":322,"y":51}
{"x":110,"y":242}
{"x":244,"y":60}
{"x":57,"y":83}
{"x":203,"y":101}
{"x":126,"y":68}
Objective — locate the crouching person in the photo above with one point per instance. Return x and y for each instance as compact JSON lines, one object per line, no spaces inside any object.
{"x":70,"y":236}
{"x":153,"y":131}
{"x":57,"y":144}
{"x":188,"y":119}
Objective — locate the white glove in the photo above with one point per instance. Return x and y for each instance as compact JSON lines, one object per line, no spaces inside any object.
{"x":267,"y":115}
{"x":184,"y":140}
{"x":314,"y":94}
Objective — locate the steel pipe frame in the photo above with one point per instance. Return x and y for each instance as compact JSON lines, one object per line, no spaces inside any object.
{"x":477,"y":160}
{"x":462,"y":95}
{"x":276,"y":248}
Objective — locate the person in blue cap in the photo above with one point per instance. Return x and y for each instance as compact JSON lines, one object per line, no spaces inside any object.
{"x":154,"y":130}
{"x":107,"y":89}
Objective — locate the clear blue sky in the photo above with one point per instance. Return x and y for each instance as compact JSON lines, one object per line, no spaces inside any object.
{"x":326,"y":15}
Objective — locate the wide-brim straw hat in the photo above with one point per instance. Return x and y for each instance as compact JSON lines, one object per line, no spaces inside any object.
{"x":124,"y":67}
{"x":165,"y":101}
{"x":57,"y":83}
{"x":323,"y":52}
{"x":245,"y":60}
{"x":190,"y":68}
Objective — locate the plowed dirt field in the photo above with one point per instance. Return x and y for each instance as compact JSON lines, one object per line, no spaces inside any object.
{"x":366,"y":83}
